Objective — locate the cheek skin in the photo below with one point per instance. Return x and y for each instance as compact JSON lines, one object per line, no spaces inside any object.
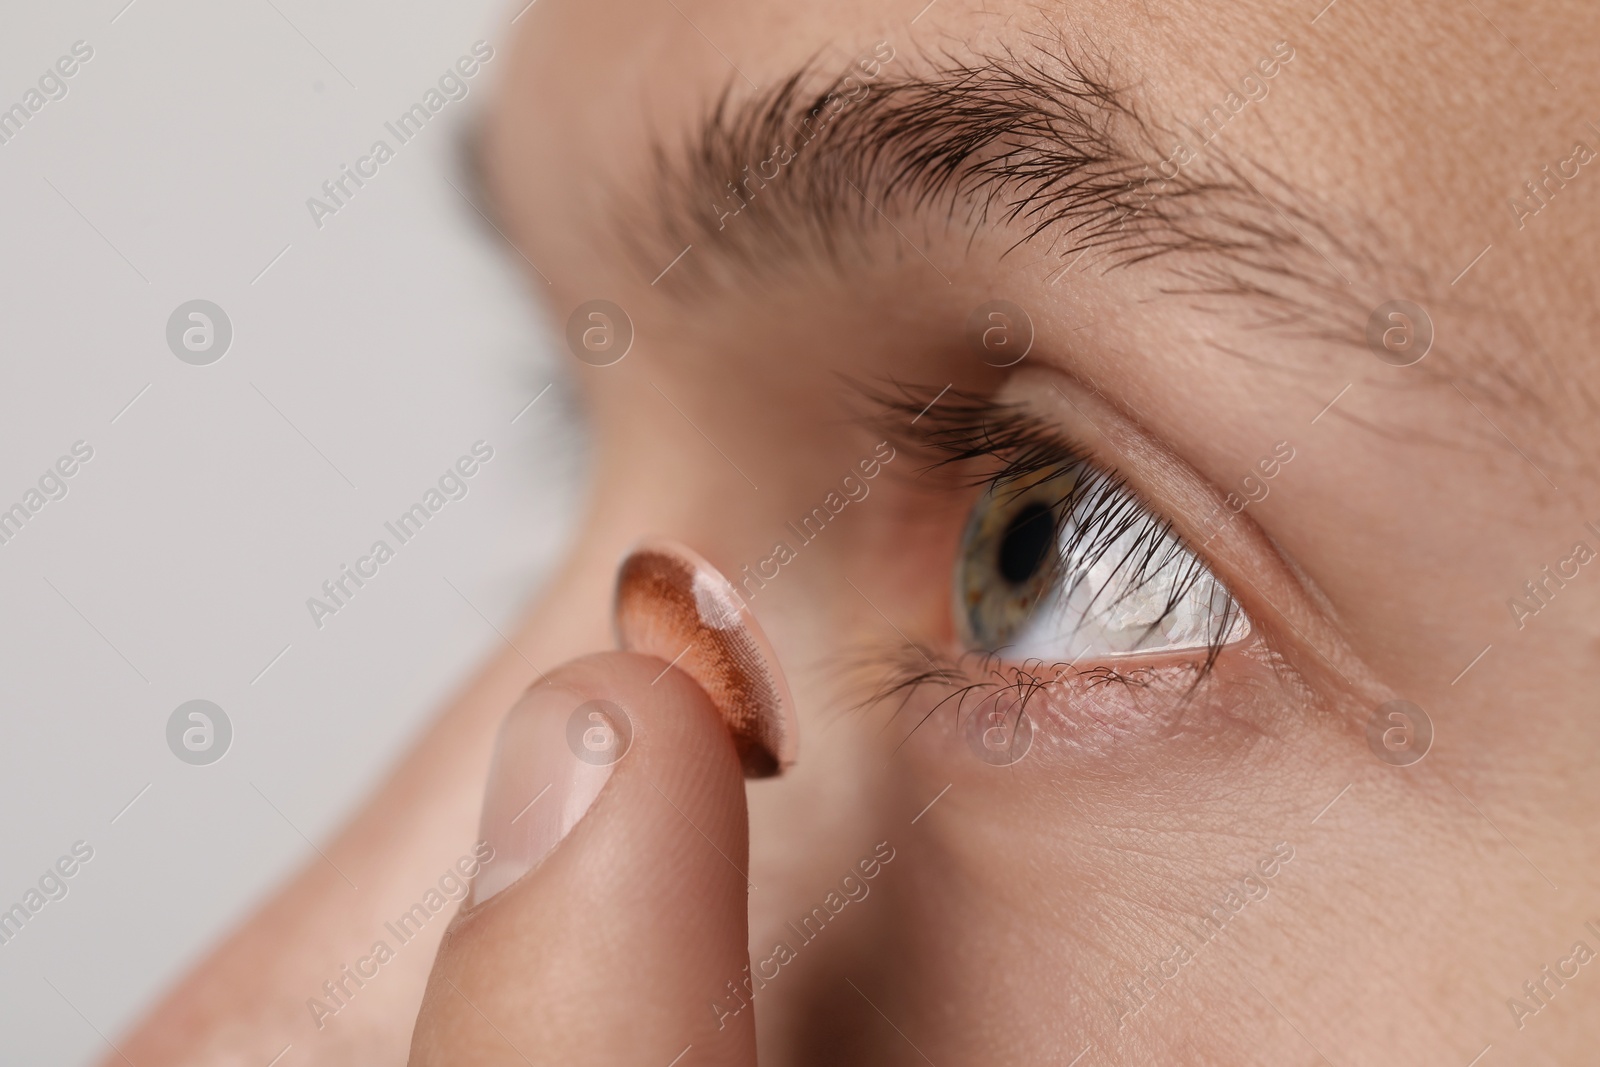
{"x":1133,"y":811}
{"x":1042,"y":890}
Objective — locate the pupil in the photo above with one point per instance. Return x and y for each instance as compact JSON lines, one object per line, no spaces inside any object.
{"x":1027,"y":541}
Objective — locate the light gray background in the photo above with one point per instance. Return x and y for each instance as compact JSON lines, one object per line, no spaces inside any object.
{"x":178,"y":565}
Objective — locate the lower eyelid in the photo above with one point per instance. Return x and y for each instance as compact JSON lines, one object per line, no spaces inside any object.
{"x":1100,"y":716}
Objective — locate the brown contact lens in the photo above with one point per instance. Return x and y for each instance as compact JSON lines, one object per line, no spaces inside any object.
{"x":672,"y":604}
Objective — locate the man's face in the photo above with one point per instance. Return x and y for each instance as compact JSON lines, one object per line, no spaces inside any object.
{"x":1159,"y":442}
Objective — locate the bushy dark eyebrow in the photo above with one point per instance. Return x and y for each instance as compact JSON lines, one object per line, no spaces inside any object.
{"x":1053,"y":150}
{"x":1036,"y":143}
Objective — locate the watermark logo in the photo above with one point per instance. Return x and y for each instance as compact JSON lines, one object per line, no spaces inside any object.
{"x":1400,"y":333}
{"x":599,"y":732}
{"x":1000,"y":732}
{"x":1539,"y":592}
{"x":52,"y":485}
{"x":599,"y":333}
{"x":1000,"y":332}
{"x":852,"y":489}
{"x":1544,"y":187}
{"x":52,"y":86}
{"x":452,"y":886}
{"x":52,"y":886}
{"x":852,"y":888}
{"x":1191,"y":937}
{"x":1542,"y":988}
{"x":199,"y":332}
{"x":199,"y":732}
{"x":452,"y":485}
{"x":1399,"y":733}
{"x":454,"y":84}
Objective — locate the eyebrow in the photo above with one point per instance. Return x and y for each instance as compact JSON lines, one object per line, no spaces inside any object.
{"x":1037,"y":144}
{"x":1058,"y":153}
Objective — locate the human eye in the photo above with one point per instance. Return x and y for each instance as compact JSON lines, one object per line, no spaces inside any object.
{"x":1060,"y":562}
{"x":1066,"y":564}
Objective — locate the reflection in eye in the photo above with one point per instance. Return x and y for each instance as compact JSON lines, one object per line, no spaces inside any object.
{"x":1065,"y":563}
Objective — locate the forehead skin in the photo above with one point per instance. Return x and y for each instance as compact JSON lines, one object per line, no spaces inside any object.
{"x":1416,"y":505}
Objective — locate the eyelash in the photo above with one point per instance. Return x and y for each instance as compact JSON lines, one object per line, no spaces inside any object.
{"x":985,"y":443}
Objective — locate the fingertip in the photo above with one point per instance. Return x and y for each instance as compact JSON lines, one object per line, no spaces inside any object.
{"x":615,"y":911}
{"x":561,"y":743}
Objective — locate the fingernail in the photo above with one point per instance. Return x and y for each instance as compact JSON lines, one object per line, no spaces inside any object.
{"x":554,"y":754}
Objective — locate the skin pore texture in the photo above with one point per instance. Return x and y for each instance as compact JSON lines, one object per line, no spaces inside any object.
{"x":1196,"y":867}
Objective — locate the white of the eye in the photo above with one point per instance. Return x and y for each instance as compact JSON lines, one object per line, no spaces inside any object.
{"x":1098,"y":614}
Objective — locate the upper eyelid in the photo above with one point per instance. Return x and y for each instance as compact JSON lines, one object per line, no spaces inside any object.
{"x":953,"y":427}
{"x":965,"y":427}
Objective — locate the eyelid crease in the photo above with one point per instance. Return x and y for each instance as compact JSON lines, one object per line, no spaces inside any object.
{"x":958,"y":427}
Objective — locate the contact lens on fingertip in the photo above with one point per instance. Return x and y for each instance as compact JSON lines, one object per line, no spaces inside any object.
{"x":672,"y":604}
